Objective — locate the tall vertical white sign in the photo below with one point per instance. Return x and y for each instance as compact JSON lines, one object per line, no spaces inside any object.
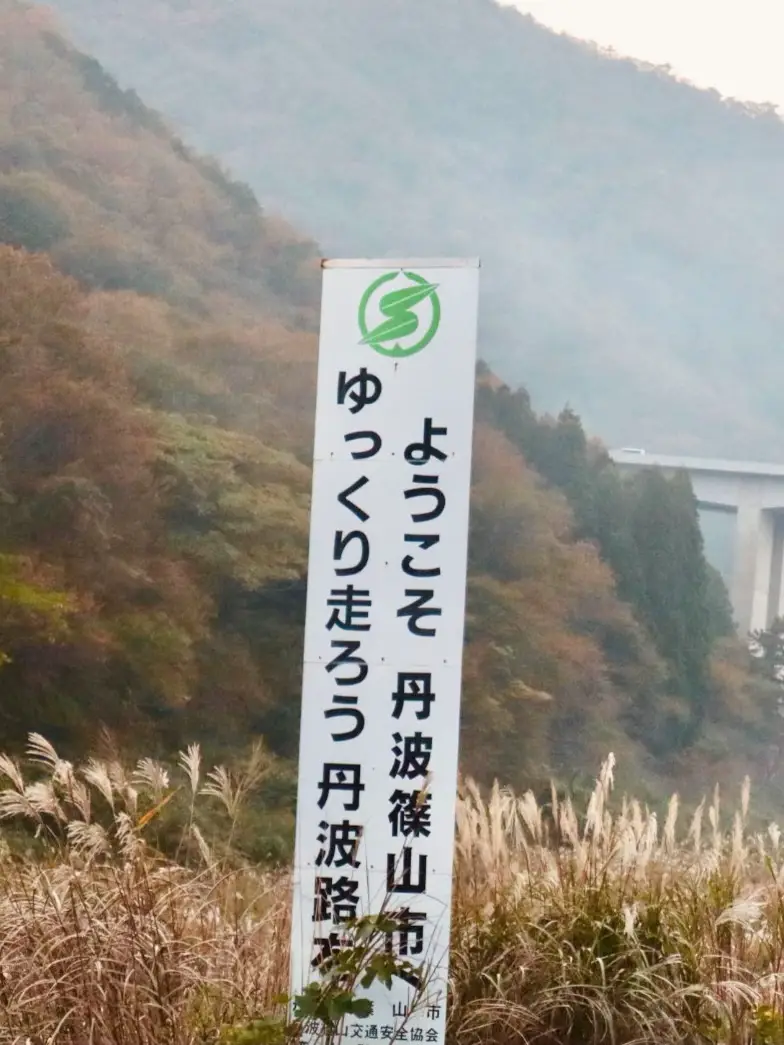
{"x":384,"y":628}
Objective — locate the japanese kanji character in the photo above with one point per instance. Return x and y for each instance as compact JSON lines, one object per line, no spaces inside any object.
{"x":412,"y":756}
{"x":375,"y":444}
{"x":410,"y":814}
{"x":372,"y":1032}
{"x":434,"y":1012}
{"x":339,"y":776}
{"x":427,"y":488}
{"x":387,"y":1033}
{"x":344,"y":498}
{"x":336,"y":899}
{"x":410,"y":933}
{"x":355,"y":602}
{"x":418,"y":609}
{"x":341,"y":842}
{"x":363,"y":389}
{"x":326,"y":947}
{"x":431,"y":1035}
{"x":406,"y":885}
{"x":342,"y":541}
{"x":421,"y":453}
{"x":349,"y":655}
{"x":417,"y":1034}
{"x":413,"y":687}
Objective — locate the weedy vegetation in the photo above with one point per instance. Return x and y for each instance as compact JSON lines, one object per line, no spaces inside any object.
{"x":571,"y":926}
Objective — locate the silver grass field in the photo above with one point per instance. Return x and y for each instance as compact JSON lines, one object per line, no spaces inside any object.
{"x":571,"y":926}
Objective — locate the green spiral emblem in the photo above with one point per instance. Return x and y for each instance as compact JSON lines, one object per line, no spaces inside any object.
{"x":412,"y":314}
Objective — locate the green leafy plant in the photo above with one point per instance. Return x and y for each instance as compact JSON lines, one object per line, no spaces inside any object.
{"x":768,"y":1026}
{"x":362,"y":960}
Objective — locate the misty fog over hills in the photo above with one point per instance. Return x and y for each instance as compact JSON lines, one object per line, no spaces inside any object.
{"x":158,"y":351}
{"x":629,"y":225}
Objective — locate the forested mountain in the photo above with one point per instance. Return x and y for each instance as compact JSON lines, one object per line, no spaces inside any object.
{"x":157,"y":355}
{"x":629,"y":225}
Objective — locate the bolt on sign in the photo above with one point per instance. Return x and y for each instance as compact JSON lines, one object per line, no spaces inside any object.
{"x":384,"y":632}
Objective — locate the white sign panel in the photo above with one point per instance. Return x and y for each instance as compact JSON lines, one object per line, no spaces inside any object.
{"x":384,"y":629}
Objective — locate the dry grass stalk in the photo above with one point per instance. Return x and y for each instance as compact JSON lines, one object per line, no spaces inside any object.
{"x":102,"y":940}
{"x":572,"y":927}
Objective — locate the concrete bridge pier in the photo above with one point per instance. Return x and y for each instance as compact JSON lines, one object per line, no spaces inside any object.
{"x":755,"y":589}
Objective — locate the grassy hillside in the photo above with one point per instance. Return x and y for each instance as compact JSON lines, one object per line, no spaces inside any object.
{"x":157,"y":352}
{"x":629,"y":225}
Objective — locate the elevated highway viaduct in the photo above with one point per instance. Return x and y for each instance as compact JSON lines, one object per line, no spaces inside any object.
{"x":754,"y":494}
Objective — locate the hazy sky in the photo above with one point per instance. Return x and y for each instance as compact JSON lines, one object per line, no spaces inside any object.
{"x":732,"y":45}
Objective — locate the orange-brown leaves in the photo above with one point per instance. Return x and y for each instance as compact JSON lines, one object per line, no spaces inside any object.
{"x":540,"y":608}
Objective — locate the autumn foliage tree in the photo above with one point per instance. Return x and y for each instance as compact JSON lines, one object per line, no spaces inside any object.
{"x":545,"y":684}
{"x":157,"y":357}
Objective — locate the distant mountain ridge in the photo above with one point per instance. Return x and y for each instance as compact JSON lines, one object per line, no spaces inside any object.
{"x":629,"y":225}
{"x":157,"y":351}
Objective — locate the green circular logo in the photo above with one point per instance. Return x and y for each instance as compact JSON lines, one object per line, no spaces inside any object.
{"x":410,"y":315}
